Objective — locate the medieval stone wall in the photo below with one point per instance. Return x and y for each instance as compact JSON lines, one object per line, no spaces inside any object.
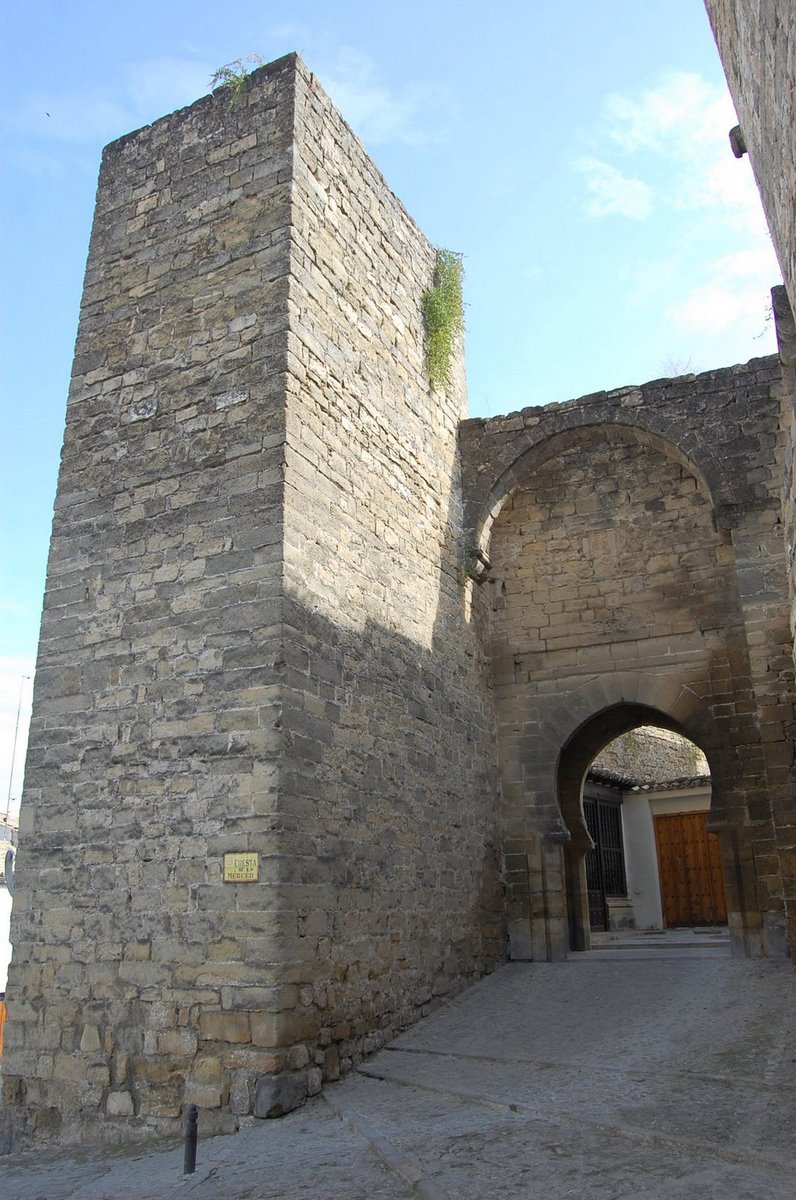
{"x":650,"y":755}
{"x":155,"y":731}
{"x":757,"y":45}
{"x":256,"y":639}
{"x":637,"y":568}
{"x":390,"y":779}
{"x":786,"y":339}
{"x":261,"y":636}
{"x":606,"y":560}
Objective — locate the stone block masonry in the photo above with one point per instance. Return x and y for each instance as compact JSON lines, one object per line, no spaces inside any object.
{"x":262,"y":636}
{"x":156,"y":740}
{"x":638,"y":575}
{"x":389,"y":769}
{"x":254,"y":639}
{"x":757,"y":45}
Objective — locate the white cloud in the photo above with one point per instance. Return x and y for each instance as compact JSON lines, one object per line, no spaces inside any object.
{"x":756,"y":263}
{"x":151,"y":87}
{"x":714,"y":308}
{"x":610,"y":191}
{"x":375,"y":113}
{"x":721,"y":185}
{"x":675,"y":137}
{"x":683,"y":111}
{"x":670,"y":141}
{"x":732,"y":299}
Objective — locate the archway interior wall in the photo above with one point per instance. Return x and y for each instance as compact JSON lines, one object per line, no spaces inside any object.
{"x":709,"y":483}
{"x":717,"y":425}
{"x":612,"y":583}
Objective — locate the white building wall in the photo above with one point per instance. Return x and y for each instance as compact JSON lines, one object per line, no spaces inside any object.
{"x":8,"y":834}
{"x":641,"y":862}
{"x":5,"y":944}
{"x":641,"y":856}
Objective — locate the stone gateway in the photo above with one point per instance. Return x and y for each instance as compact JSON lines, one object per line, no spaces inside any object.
{"x":323,"y":664}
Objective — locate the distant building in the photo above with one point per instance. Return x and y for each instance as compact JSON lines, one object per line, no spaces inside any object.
{"x":654,"y":863}
{"x":9,"y":830}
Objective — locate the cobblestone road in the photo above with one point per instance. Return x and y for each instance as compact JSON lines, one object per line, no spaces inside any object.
{"x":661,"y":1074}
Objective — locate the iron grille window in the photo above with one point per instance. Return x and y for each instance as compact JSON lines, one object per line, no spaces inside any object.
{"x":610,"y":848}
{"x":605,"y":864}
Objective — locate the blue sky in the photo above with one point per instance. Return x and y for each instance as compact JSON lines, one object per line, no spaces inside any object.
{"x":576,"y":154}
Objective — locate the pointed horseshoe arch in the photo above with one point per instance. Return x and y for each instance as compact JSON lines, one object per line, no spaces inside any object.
{"x":684,"y":716}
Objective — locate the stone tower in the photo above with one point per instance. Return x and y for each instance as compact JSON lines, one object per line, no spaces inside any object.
{"x":323,"y":666}
{"x":256,"y":557}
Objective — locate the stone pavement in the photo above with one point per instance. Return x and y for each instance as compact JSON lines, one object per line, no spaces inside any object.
{"x":658,"y":1076}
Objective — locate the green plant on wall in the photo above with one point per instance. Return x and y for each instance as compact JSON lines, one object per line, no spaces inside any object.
{"x":234,"y":76}
{"x":443,"y":316}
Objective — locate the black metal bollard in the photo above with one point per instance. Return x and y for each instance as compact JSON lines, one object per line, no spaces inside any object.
{"x":191,"y":1134}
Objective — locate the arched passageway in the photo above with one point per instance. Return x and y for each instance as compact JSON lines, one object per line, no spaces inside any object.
{"x":654,"y":865}
{"x":644,"y":849}
{"x":621,"y":593}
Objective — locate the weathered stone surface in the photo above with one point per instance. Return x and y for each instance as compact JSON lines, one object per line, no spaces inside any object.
{"x":254,"y":634}
{"x":119,"y":1104}
{"x":261,"y":633}
{"x":652,"y":755}
{"x":279,"y":1094}
{"x":637,"y":574}
{"x":757,"y":44}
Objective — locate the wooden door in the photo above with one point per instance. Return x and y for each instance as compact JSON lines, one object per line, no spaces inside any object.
{"x":689,"y":863}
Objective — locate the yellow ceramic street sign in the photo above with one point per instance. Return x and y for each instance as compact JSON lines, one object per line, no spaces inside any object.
{"x":241,"y":868}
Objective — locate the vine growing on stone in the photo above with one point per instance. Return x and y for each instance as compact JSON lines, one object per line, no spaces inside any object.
{"x":234,"y":76}
{"x":443,"y":317}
